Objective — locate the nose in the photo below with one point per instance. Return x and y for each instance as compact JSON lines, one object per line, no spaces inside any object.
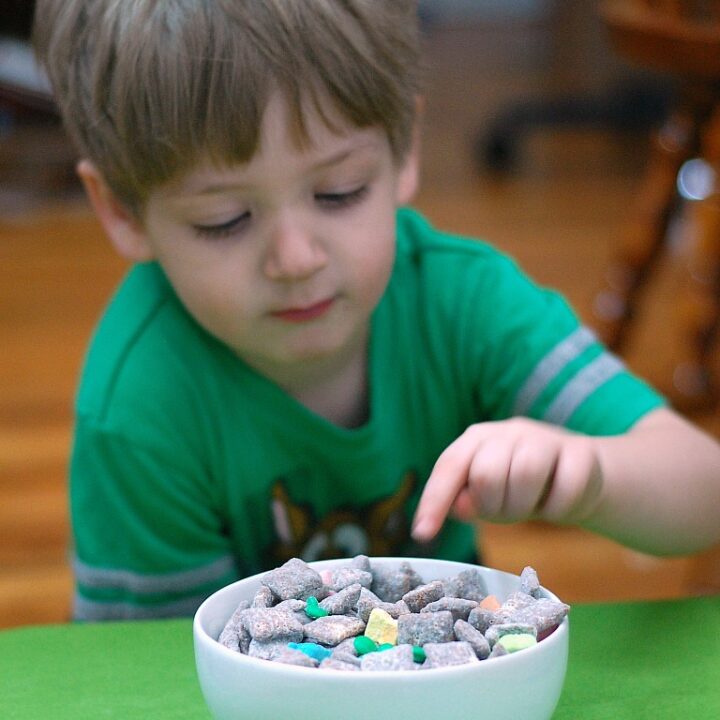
{"x":293,"y":253}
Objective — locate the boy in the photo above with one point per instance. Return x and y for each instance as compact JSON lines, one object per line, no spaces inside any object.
{"x":296,"y":364}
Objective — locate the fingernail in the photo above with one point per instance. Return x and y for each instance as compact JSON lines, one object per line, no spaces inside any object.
{"x":422,"y":530}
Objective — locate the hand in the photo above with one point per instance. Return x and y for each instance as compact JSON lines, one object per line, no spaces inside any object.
{"x":508,"y":471}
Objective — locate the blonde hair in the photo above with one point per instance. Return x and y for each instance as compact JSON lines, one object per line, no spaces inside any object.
{"x":147,"y":87}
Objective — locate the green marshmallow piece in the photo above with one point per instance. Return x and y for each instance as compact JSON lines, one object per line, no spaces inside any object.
{"x":364,"y":645}
{"x":418,"y":654}
{"x":521,"y":641}
{"x":313,"y":610}
{"x":385,"y":646}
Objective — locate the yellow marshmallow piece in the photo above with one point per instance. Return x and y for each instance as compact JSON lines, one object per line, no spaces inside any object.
{"x":381,"y":627}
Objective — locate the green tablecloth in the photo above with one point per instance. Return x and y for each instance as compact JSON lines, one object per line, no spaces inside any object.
{"x":639,"y":661}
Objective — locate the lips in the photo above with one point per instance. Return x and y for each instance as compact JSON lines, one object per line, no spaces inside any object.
{"x":306,"y":313}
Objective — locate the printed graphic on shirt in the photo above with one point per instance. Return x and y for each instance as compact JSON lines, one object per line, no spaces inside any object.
{"x":378,"y":529}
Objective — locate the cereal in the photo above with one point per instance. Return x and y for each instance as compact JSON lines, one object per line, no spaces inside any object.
{"x":390,"y":585}
{"x":340,"y":579}
{"x":295,"y":579}
{"x":263,"y":598}
{"x":529,"y":582}
{"x":422,"y":628}
{"x":467,"y":584}
{"x":423,"y":595}
{"x":360,"y":618}
{"x":313,"y":610}
{"x":382,"y":628}
{"x":294,"y":656}
{"x":481,"y":619}
{"x":397,"y":658}
{"x":520,"y":641}
{"x":343,"y":602}
{"x":312,"y":650}
{"x":459,"y":607}
{"x":333,"y":629}
{"x":495,"y":632}
{"x":477,"y":641}
{"x":234,"y":635}
{"x":368,"y":601}
{"x":448,"y":653}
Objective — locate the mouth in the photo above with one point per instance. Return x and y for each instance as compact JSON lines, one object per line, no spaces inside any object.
{"x":306,"y":313}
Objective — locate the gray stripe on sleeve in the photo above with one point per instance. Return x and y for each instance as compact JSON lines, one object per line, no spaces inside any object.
{"x":589,"y":379}
{"x":142,"y":584}
{"x":550,"y":367}
{"x":91,"y":610}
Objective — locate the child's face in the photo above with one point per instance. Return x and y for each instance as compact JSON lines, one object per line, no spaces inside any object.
{"x":285,"y":258}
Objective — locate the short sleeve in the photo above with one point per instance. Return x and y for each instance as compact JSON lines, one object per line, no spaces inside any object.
{"x":534,"y":358}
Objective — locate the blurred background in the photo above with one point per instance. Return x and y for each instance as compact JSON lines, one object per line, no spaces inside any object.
{"x":538,"y":136}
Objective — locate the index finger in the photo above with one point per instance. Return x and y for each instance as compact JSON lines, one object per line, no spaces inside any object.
{"x":448,"y":477}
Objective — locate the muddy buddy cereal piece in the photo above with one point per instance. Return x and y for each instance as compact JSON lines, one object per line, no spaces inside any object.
{"x":448,"y":653}
{"x":467,"y":584}
{"x":368,"y":601}
{"x":343,"y":602}
{"x":514,"y":643}
{"x":334,"y":663}
{"x":234,"y":636}
{"x":295,"y":579}
{"x":344,"y":577}
{"x":477,"y":641}
{"x":263,"y":598}
{"x":422,"y":628}
{"x":481,"y":619}
{"x":296,"y":608}
{"x":294,"y":656}
{"x":265,"y":624}
{"x":390,"y":585}
{"x":333,"y":629}
{"x":459,"y":607}
{"x":421,"y":596}
{"x":361,"y":562}
{"x":498,"y":651}
{"x":529,"y":582}
{"x":543,"y":613}
{"x":381,"y":627}
{"x":268,"y":650}
{"x":397,"y":658}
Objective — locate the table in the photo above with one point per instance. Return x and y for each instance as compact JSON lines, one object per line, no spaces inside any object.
{"x":639,"y":661}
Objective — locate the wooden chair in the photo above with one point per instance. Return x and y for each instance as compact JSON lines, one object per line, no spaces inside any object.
{"x":680,"y":38}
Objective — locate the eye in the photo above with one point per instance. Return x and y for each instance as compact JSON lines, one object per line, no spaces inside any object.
{"x":338,"y":201}
{"x":224,"y":229}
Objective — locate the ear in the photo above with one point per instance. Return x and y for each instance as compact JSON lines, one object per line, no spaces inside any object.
{"x":121,"y":226}
{"x":409,"y":177}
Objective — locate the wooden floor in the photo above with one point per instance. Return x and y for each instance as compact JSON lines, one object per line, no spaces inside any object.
{"x":559,"y":215}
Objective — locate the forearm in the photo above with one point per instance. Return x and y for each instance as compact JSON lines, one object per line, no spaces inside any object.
{"x":661,"y":487}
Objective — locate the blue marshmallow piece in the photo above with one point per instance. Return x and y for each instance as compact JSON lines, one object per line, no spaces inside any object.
{"x":313,"y":650}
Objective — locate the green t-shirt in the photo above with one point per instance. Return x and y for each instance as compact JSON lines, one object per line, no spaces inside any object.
{"x":190,"y":469}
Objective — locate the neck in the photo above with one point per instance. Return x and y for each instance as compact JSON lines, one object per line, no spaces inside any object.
{"x":335,"y":387}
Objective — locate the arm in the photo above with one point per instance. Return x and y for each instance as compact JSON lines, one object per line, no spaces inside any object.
{"x":655,"y":488}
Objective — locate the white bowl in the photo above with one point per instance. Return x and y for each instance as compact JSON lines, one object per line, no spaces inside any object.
{"x":525,"y":684}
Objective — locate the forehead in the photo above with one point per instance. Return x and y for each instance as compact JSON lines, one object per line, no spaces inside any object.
{"x":329,"y":143}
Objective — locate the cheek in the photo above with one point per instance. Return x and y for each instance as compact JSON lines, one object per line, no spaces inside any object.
{"x":213,"y":296}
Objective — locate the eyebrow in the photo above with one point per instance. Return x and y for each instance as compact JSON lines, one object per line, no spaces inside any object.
{"x":335,"y":159}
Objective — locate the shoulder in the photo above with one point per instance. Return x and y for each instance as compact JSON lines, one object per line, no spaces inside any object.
{"x":456,"y":273}
{"x":139,"y":353}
